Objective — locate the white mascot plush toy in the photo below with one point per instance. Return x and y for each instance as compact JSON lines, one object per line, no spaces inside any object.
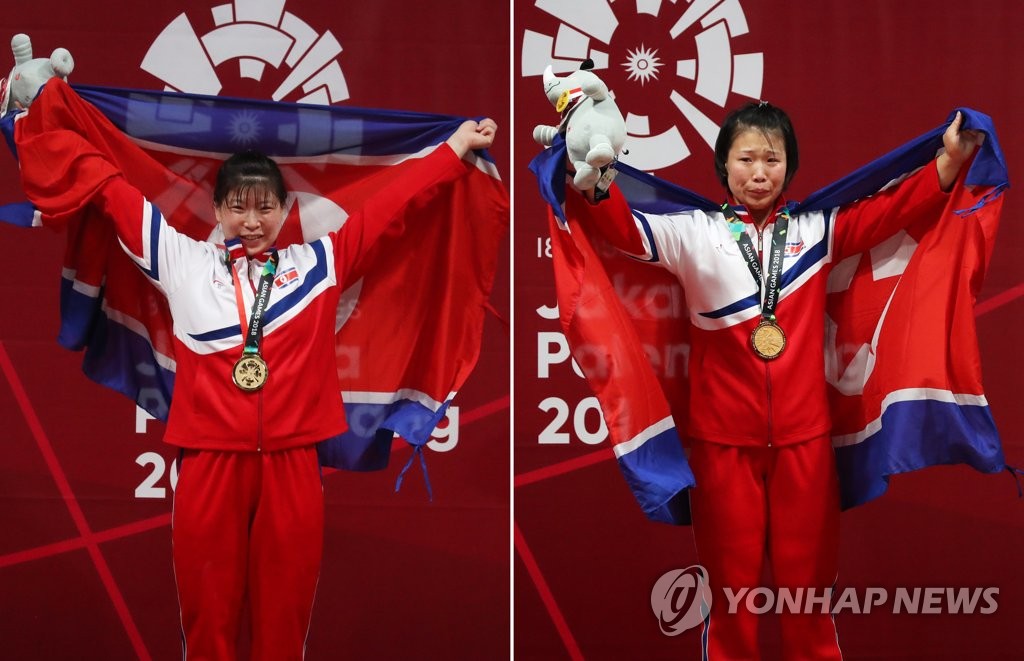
{"x":593,"y":126}
{"x":28,"y":75}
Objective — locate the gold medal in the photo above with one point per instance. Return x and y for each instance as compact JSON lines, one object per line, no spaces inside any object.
{"x":768,"y":340}
{"x":250,"y":372}
{"x":563,"y":101}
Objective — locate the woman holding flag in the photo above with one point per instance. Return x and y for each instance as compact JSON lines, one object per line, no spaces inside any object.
{"x":754,"y":276}
{"x":256,"y":383}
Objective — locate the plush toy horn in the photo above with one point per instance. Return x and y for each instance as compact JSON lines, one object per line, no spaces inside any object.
{"x":21,"y":46}
{"x":549,"y":78}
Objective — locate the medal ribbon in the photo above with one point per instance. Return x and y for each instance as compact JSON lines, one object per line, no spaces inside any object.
{"x":255,"y":325}
{"x":772,"y":284}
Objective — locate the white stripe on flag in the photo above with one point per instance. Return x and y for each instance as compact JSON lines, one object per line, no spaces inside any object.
{"x":139,"y":328}
{"x":91,"y":291}
{"x":907,"y":395}
{"x":634,"y":443}
{"x":357,"y":397}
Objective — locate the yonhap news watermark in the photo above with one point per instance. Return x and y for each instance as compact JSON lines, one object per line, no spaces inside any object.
{"x":900,"y":600}
{"x":681,"y":599}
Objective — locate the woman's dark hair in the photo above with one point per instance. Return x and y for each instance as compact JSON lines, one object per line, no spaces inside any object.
{"x":762,"y":117}
{"x":249,"y":170}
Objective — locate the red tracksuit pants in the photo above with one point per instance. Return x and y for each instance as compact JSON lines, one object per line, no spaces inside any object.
{"x":247,"y":523}
{"x":780,"y":500}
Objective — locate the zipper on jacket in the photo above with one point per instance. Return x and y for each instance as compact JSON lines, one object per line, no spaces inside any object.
{"x":767,"y":367}
{"x":259,"y":421}
{"x":768,"y":389}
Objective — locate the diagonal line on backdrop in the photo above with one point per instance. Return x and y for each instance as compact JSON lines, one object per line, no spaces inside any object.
{"x":56,"y":548}
{"x":562,"y":467}
{"x":1000,"y":299}
{"x":39,"y":552}
{"x":533,"y":569}
{"x":53,"y":464}
{"x":484,"y":410}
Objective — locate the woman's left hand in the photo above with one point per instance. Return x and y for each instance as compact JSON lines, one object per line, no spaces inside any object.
{"x":959,"y":144}
{"x":473,"y":135}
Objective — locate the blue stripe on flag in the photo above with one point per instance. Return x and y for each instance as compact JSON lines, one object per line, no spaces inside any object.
{"x":77,"y":312}
{"x":7,"y":128}
{"x":366,"y":445}
{"x":987,"y":169}
{"x":225,"y":125}
{"x":18,"y":213}
{"x":123,"y":360}
{"x":917,"y":434}
{"x":658,"y":474}
{"x":115,"y":356}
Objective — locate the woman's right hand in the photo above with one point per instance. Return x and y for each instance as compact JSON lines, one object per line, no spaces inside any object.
{"x":473,"y":135}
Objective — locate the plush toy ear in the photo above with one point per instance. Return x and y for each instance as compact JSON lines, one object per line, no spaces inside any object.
{"x":62,"y":63}
{"x":587,"y":65}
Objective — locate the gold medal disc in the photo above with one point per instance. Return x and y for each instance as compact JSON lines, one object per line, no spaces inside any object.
{"x":768,"y":340}
{"x":250,"y":372}
{"x":563,"y":101}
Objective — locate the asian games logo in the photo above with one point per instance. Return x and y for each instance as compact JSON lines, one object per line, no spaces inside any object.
{"x":674,"y":65}
{"x":268,"y":45}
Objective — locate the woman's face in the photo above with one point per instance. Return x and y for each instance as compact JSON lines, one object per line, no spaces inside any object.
{"x":756,"y":168}
{"x":254,"y":215}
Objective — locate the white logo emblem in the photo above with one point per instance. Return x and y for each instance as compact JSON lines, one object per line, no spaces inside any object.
{"x":681,"y":599}
{"x":698,"y":39}
{"x":642,"y":64}
{"x":253,"y":34}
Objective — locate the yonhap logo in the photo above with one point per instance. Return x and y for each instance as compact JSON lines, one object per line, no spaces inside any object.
{"x":681,"y":599}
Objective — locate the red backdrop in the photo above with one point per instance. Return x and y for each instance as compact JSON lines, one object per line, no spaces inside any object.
{"x":858,"y":78}
{"x":85,"y":483}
